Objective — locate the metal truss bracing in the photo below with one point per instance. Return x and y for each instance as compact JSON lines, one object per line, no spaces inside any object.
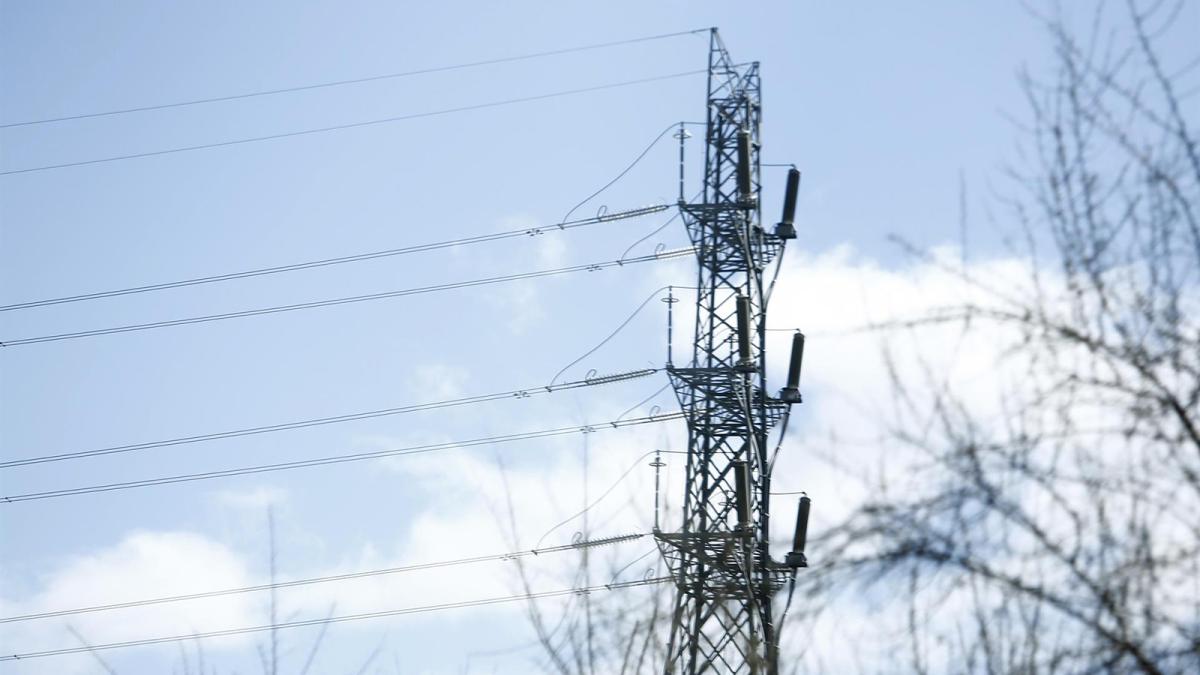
{"x":719,"y":560}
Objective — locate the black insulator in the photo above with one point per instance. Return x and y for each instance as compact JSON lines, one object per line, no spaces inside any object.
{"x":745,"y":189}
{"x":791,"y":393}
{"x":789,"y":197}
{"x":786,"y":229}
{"x":796,"y":558}
{"x":801,"y":538}
{"x":742,"y":493}
{"x":743,"y":329}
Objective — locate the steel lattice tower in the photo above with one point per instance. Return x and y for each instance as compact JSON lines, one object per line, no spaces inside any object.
{"x":723,"y":572}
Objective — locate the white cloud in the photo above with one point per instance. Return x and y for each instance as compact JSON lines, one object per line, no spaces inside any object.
{"x":835,"y":297}
{"x":143,"y":565}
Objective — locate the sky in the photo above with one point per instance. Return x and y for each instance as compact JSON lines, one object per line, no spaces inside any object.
{"x":899,"y":114}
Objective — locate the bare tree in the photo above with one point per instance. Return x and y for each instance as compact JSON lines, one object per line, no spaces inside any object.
{"x":1063,"y":536}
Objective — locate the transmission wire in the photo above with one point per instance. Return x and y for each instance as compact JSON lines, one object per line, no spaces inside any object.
{"x":337,"y":619}
{"x":357,"y":257}
{"x":637,"y":462}
{"x":620,"y":327}
{"x":336,"y":459}
{"x":651,"y":234}
{"x":645,"y":401}
{"x":660,"y":227}
{"x":359,"y":80}
{"x":354,"y":125}
{"x":626,"y":170}
{"x":591,"y":267}
{"x":321,"y":421}
{"x":326,"y":579}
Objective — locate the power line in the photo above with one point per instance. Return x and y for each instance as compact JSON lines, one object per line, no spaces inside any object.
{"x":589,"y":267}
{"x":637,"y":462}
{"x":618,"y":329}
{"x":357,"y":257}
{"x":354,"y":125}
{"x":337,"y":459}
{"x":645,"y":400}
{"x":627,"y":169}
{"x":358,"y":80}
{"x":335,"y":419}
{"x":652,"y":233}
{"x":338,"y":619}
{"x":587,"y":543}
{"x":663,"y":226}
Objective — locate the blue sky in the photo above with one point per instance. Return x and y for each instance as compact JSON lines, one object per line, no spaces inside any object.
{"x":883,"y":106}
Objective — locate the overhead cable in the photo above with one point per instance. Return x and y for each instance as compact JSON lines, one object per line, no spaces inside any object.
{"x":357,"y":80}
{"x":662,"y":227}
{"x":584,"y":543}
{"x":338,"y":459}
{"x":357,"y":257}
{"x":637,"y":462}
{"x":337,"y":619}
{"x":613,"y":334}
{"x":320,"y":421}
{"x":627,"y":169}
{"x":589,"y":267}
{"x":355,"y":125}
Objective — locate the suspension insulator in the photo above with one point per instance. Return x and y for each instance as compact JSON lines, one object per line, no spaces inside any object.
{"x":791,"y":393}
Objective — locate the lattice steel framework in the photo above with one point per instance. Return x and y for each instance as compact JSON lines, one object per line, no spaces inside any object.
{"x":724,"y":575}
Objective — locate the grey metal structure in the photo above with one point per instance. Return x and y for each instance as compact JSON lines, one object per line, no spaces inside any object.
{"x":719,"y":560}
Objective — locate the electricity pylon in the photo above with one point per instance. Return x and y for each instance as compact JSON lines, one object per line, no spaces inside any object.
{"x":720,"y":562}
